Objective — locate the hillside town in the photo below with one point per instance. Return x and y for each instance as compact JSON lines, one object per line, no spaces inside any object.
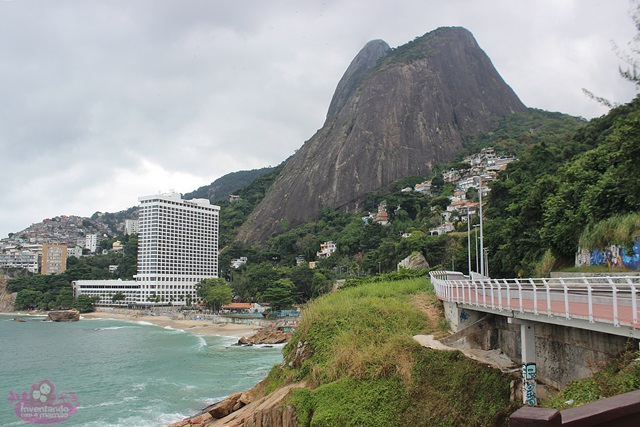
{"x":43,"y":247}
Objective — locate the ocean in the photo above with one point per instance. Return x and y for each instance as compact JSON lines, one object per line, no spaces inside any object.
{"x":102,"y":372}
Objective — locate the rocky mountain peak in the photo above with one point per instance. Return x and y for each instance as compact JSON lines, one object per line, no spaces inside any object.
{"x":359,"y":68}
{"x":389,"y":118}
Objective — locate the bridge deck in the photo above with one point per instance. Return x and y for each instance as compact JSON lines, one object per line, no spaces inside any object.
{"x":600,"y":300}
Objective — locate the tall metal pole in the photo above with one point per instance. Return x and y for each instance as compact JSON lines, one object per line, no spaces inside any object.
{"x":475,"y":227}
{"x":481,"y":234}
{"x":468,"y":241}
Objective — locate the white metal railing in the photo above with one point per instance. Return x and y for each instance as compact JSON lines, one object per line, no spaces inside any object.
{"x":605,"y":299}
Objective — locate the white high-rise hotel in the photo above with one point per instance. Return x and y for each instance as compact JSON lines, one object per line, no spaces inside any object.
{"x":177,"y":246}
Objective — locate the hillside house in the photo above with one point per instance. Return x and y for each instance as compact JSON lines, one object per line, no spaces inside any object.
{"x":239,"y":262}
{"x":326,"y":249}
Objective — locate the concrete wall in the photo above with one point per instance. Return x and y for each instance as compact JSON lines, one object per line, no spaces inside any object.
{"x":563,"y":354}
{"x":460,"y":318}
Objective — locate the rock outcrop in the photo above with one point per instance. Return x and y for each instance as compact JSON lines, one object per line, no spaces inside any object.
{"x":416,"y":261}
{"x":266,"y":336}
{"x":64,"y":315}
{"x":357,"y":71}
{"x":412,"y":108}
{"x":266,"y":411}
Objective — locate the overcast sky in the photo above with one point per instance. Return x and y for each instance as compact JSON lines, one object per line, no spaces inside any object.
{"x":105,"y":101}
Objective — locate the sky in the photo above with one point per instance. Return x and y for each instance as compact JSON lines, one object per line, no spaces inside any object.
{"x":105,"y":101}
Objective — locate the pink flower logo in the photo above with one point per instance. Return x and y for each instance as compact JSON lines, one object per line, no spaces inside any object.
{"x":41,"y":405}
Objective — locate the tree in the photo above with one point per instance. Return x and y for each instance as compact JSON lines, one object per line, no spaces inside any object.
{"x":85,"y":303}
{"x":64,"y":299}
{"x":214,"y":292}
{"x":217,"y":296}
{"x":119,"y":296}
{"x":27,"y":299}
{"x":280,"y":294}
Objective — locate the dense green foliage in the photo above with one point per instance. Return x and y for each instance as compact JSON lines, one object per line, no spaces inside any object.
{"x":616,"y":230}
{"x":214,"y":293}
{"x":231,"y":183}
{"x":232,"y":215}
{"x":364,"y":368}
{"x":516,"y":132}
{"x":544,"y":201}
{"x":49,"y":292}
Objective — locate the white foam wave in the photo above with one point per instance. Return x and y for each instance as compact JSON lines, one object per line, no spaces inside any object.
{"x":144,"y":322}
{"x":169,"y":328}
{"x":113,"y":328}
{"x":202,"y":343}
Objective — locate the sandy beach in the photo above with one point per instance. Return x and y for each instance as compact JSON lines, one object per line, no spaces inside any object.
{"x":201,"y":327}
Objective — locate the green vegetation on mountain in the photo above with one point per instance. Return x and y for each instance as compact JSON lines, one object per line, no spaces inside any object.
{"x":516,"y":132}
{"x":545,"y":201}
{"x":231,"y":183}
{"x":354,"y":350}
{"x":233,"y":215}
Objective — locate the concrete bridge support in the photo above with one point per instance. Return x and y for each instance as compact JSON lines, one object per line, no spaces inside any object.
{"x":552,"y":354}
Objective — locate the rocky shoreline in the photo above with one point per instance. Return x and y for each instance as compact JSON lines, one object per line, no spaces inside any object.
{"x":250,"y":408}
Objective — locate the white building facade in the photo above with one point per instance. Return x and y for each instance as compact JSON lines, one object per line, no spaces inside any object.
{"x":123,"y":293}
{"x":91,"y":242}
{"x":177,"y":247}
{"x":131,"y":226}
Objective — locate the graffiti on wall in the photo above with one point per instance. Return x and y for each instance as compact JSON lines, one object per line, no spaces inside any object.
{"x":610,"y":256}
{"x":529,"y":396}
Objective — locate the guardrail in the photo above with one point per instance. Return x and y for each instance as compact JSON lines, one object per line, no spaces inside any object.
{"x":606,"y":299}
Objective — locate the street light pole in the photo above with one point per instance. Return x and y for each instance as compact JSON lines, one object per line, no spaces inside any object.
{"x":468,"y":241}
{"x":475,"y":227}
{"x":481,"y":234}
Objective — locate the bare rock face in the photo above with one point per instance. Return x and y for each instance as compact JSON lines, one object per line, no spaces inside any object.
{"x":417,"y":261}
{"x":64,"y":315}
{"x":253,"y":411}
{"x":411,"y":109}
{"x":357,"y":71}
{"x":266,"y":336}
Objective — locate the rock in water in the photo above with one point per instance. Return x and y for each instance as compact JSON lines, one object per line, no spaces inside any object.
{"x":64,"y":315}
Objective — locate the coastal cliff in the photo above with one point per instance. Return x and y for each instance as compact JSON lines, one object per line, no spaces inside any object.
{"x":353,"y":361}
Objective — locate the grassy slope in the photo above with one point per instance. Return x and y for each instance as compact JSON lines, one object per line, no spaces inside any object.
{"x":364,"y":369}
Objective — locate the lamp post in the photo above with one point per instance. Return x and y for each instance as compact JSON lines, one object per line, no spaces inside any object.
{"x":468,"y":241}
{"x":481,"y":234}
{"x":475,"y":227}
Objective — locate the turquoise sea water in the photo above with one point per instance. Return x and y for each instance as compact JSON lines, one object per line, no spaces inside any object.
{"x":124,"y":373}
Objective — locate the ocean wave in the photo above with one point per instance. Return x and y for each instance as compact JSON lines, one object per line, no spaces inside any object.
{"x":144,"y":322}
{"x":169,"y":328}
{"x":155,"y":420}
{"x":113,"y":328}
{"x":202,"y":343}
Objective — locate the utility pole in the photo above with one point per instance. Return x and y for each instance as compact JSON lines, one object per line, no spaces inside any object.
{"x":475,"y":227}
{"x":481,"y":234}
{"x":468,"y":241}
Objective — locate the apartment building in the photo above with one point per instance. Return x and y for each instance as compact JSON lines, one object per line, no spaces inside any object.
{"x":177,"y":246}
{"x":54,"y":259}
{"x":131,"y":226}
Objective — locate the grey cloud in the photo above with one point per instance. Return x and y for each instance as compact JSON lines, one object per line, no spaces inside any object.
{"x":174,"y":94}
